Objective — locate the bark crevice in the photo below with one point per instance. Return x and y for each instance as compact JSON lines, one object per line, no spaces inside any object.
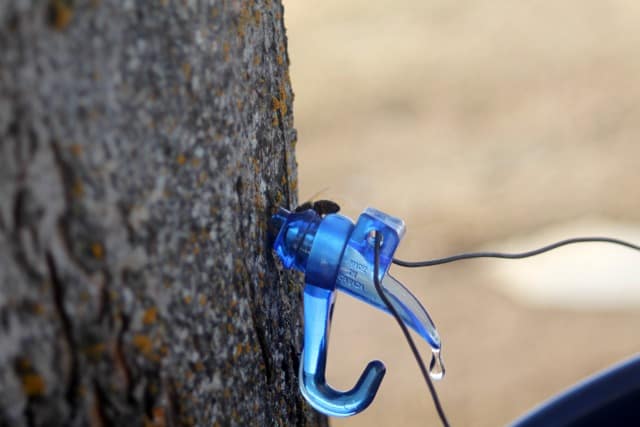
{"x":58,"y":286}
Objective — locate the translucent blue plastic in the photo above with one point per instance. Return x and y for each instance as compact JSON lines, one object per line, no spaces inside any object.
{"x":336,"y":254}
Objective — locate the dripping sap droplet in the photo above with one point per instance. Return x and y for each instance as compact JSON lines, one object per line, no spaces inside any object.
{"x":436,"y":367}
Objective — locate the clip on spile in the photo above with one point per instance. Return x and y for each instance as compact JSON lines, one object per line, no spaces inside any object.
{"x":336,"y":254}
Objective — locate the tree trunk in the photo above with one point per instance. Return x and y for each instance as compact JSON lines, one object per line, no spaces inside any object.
{"x":144,"y":146}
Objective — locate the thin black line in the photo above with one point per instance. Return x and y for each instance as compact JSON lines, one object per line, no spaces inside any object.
{"x":405,"y":331}
{"x":519,"y":255}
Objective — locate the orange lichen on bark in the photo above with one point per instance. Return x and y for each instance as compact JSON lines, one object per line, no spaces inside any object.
{"x":280,"y":103}
{"x":283,"y":100}
{"x":164,"y":350}
{"x":60,"y":14}
{"x":275,"y":103}
{"x":181,"y":159}
{"x":150,"y":316}
{"x":143,"y":343}
{"x":257,"y":200}
{"x":97,"y":250}
{"x":159,"y":417}
{"x":278,"y":198}
{"x":243,"y":20}
{"x":33,"y":385}
{"x":226,"y":49}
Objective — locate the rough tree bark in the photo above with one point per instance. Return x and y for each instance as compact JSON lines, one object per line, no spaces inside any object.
{"x":143,"y":146}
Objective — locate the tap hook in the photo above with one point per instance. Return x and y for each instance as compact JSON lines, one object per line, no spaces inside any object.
{"x":318,"y":309}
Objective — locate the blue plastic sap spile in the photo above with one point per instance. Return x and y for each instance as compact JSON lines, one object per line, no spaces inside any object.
{"x":336,"y":254}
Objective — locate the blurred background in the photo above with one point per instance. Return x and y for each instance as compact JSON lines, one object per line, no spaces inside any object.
{"x":483,"y":124}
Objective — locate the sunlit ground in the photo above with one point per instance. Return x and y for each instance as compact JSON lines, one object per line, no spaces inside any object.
{"x":478,"y":122}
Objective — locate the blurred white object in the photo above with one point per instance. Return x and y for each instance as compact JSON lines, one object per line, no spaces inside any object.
{"x":581,"y":276}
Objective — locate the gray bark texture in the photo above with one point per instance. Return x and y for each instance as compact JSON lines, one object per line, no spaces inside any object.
{"x":144,"y":145}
